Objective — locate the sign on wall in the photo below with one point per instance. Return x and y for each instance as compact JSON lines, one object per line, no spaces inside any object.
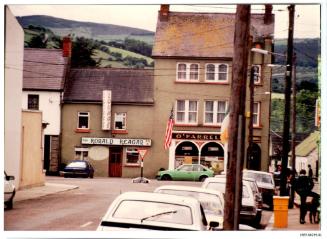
{"x":115,"y":141}
{"x":106,"y":109}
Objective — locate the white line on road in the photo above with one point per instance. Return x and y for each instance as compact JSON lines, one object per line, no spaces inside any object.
{"x":86,"y":224}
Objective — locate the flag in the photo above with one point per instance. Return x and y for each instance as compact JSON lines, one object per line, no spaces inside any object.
{"x":224,"y":129}
{"x":169,"y":130}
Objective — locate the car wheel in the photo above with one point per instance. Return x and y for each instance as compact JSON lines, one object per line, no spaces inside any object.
{"x":9,"y":204}
{"x":202,"y":178}
{"x":65,"y":176}
{"x":91,"y":175}
{"x":165,"y":177}
{"x":257,"y":220}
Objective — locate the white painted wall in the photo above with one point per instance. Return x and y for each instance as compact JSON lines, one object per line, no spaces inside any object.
{"x":14,"y":55}
{"x":49,"y":104}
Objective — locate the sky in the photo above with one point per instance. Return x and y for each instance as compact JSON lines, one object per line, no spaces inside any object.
{"x":307,"y":17}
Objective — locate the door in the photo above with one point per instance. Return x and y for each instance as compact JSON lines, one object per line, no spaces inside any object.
{"x":115,"y":162}
{"x":47,"y":148}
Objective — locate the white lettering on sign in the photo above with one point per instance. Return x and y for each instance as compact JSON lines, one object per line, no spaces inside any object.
{"x":106,"y":109}
{"x":115,"y":141}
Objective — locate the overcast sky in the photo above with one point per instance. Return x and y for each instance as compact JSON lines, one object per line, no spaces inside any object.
{"x":307,"y":17}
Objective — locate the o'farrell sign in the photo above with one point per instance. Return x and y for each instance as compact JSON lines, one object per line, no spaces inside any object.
{"x":115,"y":141}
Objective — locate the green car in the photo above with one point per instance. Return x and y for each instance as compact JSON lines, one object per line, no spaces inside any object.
{"x":187,"y":172}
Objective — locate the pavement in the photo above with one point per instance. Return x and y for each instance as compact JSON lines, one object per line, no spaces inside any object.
{"x":47,"y":189}
{"x":293,"y":223}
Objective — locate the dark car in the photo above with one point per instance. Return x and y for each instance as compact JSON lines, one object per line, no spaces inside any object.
{"x":78,"y":168}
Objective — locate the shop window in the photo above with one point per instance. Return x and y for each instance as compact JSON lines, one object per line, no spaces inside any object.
{"x":120,"y":121}
{"x":81,"y":153}
{"x":33,"y":102}
{"x":132,"y":156}
{"x":83,"y":120}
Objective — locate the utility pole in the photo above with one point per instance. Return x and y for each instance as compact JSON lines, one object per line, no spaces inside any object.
{"x":291,"y":202}
{"x":288,"y":79}
{"x":233,"y":192}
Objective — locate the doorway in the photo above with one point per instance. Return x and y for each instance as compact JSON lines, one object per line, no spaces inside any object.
{"x":115,"y":161}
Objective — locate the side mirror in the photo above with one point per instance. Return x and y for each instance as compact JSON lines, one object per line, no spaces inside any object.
{"x":213,"y":224}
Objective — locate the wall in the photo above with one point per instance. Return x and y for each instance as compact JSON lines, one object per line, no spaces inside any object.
{"x":32,"y":164}
{"x":14,"y":52}
{"x":49,"y":104}
{"x":139,"y":125}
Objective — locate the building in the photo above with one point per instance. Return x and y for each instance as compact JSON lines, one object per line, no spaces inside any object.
{"x":107,"y":117}
{"x":14,"y":53}
{"x":193,"y":55}
{"x":43,"y":83}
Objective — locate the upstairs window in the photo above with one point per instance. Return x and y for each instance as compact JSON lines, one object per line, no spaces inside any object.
{"x":214,"y":112}
{"x":216,"y":72}
{"x":186,"y":112}
{"x":83,"y":120}
{"x":257,"y":74}
{"x":33,"y":102}
{"x":256,"y":114}
{"x":187,"y":72}
{"x":120,"y":121}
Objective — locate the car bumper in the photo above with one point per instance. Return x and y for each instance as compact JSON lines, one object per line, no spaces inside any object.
{"x":75,"y":174}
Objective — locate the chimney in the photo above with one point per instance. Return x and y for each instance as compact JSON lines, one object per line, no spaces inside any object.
{"x":164,"y":12}
{"x":268,"y":14}
{"x":66,"y":46}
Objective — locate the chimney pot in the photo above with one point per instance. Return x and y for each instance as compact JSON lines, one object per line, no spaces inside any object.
{"x":66,"y":46}
{"x":268,"y":14}
{"x":164,"y":12}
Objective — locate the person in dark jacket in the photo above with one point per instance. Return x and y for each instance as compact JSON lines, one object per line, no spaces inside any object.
{"x":310,"y":171}
{"x":303,"y":187}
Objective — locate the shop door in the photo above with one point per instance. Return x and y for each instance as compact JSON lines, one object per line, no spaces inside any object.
{"x":115,"y":162}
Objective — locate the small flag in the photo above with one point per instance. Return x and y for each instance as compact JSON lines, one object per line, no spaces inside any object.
{"x":224,"y":129}
{"x":169,"y":130}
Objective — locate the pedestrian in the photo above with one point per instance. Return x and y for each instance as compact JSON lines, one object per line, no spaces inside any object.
{"x":310,"y":171}
{"x":303,"y":186}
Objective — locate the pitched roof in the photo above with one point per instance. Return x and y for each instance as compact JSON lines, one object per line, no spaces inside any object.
{"x":44,"y":69}
{"x":308,"y":144}
{"x":202,"y":34}
{"x":127,"y":85}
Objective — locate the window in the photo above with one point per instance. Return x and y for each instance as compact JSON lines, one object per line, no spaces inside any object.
{"x":132,"y":156}
{"x":83,"y":120}
{"x":186,"y":111}
{"x":187,"y":72}
{"x":214,"y":112}
{"x":216,"y":72}
{"x":120,"y":121}
{"x":256,"y":114}
{"x":257,"y":74}
{"x":33,"y":102}
{"x":81,"y":153}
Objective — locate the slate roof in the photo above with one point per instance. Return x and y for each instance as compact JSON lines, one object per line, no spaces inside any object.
{"x":127,"y":85}
{"x":44,"y":69}
{"x":202,"y":34}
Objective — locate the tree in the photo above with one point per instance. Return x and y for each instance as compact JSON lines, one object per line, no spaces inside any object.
{"x":82,"y":52}
{"x":38,"y":41}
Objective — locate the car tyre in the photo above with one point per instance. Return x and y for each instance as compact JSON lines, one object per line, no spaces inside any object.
{"x":10,"y":203}
{"x":166,"y":177}
{"x":91,"y":175}
{"x":202,"y":178}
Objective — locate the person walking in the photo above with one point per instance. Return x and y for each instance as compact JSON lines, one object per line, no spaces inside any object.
{"x":310,"y":171}
{"x":303,"y":186}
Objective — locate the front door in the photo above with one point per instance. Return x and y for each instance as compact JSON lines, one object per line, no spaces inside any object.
{"x":115,"y":162}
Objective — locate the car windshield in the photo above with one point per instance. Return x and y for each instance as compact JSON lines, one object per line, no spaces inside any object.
{"x":211,"y":203}
{"x":154,"y":211}
{"x":220,"y":186}
{"x":264,"y":178}
{"x":77,"y":165}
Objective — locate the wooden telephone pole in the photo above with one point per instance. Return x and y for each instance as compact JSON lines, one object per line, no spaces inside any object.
{"x":236,"y":141}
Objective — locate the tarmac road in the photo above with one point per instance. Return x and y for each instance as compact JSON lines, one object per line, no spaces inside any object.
{"x":78,"y":209}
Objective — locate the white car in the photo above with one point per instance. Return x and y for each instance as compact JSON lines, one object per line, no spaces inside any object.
{"x":212,"y":201}
{"x":9,"y":191}
{"x":266,"y":185}
{"x":248,"y":210}
{"x":154,"y":211}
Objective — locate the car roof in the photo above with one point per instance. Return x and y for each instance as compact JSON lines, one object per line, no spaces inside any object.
{"x":257,"y":172}
{"x":221,"y":180}
{"x":188,"y":188}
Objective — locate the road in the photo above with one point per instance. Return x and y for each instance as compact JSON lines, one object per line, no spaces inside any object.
{"x":79,"y":209}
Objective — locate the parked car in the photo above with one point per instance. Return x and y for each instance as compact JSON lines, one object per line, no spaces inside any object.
{"x":248,"y":211}
{"x":9,"y":191}
{"x":212,"y":201}
{"x":78,"y":168}
{"x":266,"y":185}
{"x":257,"y":197}
{"x":189,"y":172}
{"x":154,"y":211}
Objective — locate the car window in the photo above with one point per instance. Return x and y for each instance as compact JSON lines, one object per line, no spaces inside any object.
{"x":154,"y":211}
{"x":198,"y":168}
{"x":220,"y":186}
{"x":265,"y":178}
{"x":77,"y":165}
{"x":210,"y":202}
{"x":186,"y":168}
